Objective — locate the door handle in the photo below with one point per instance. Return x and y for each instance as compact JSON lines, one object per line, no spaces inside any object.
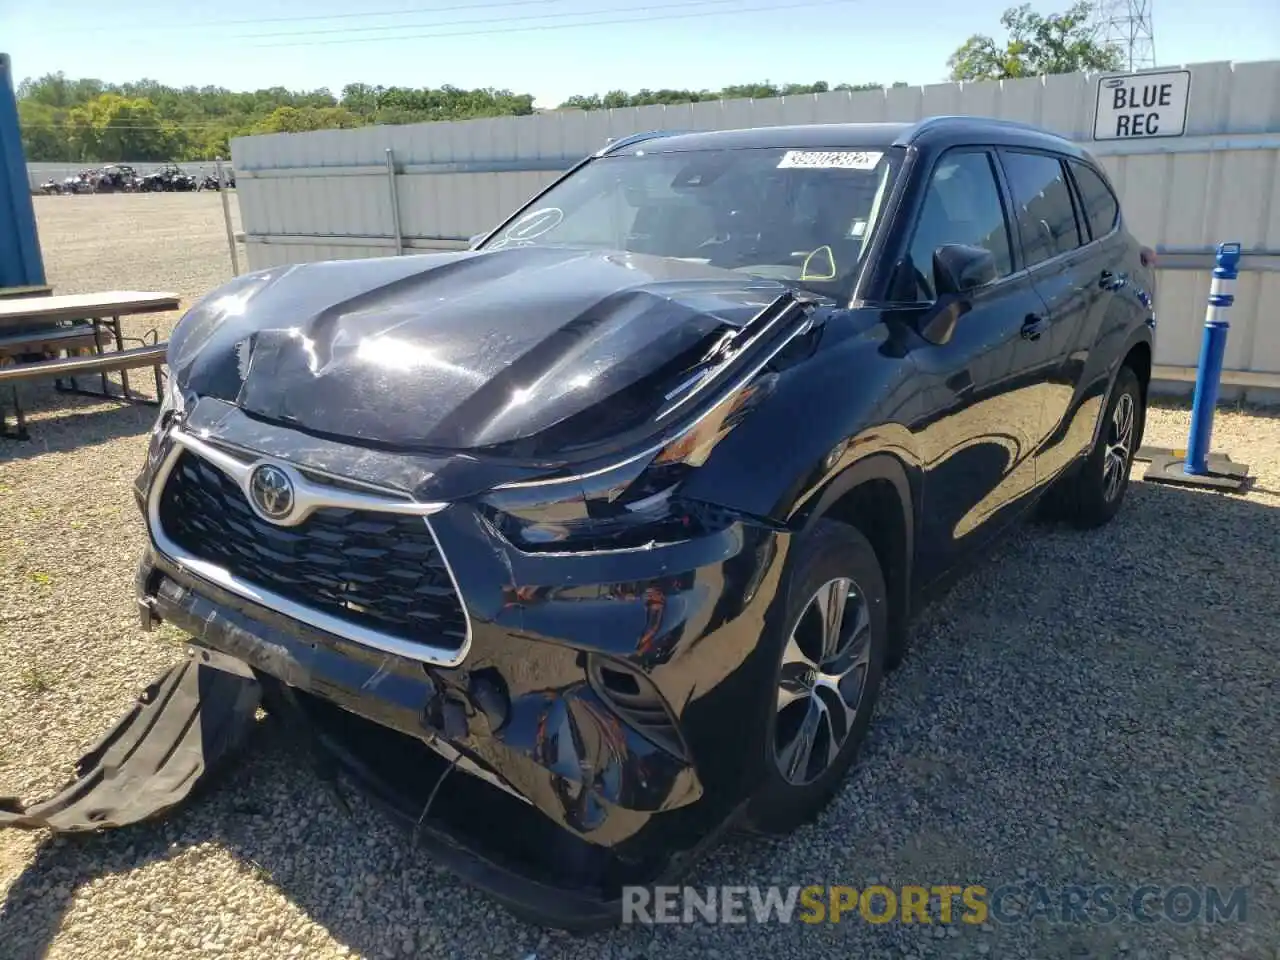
{"x":1033,"y":326}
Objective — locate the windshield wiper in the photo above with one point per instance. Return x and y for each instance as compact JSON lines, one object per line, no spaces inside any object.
{"x":787,"y":308}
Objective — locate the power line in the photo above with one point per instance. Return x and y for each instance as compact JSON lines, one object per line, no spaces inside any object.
{"x":172,"y":125}
{"x":188,"y":25}
{"x":462,"y":23}
{"x":567,"y":26}
{"x":216,"y":124}
{"x":471,"y":7}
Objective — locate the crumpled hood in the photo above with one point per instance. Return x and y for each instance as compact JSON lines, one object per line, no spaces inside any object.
{"x":468,"y":350}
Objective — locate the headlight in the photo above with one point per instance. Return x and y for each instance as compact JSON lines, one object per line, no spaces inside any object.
{"x":172,"y":406}
{"x":173,"y":402}
{"x":628,"y":504}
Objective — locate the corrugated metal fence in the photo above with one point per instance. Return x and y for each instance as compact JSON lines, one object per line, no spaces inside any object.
{"x":327,"y":195}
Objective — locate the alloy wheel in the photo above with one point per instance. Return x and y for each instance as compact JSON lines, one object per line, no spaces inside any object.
{"x":822,"y":680}
{"x":1119,"y":447}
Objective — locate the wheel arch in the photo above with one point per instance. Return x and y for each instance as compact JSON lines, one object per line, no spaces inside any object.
{"x":1138,"y":356}
{"x":874,"y":495}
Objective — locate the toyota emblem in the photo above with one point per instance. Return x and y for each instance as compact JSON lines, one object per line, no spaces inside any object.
{"x":271,"y":491}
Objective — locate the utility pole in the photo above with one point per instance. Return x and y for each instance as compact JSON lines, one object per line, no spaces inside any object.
{"x":1126,"y":25}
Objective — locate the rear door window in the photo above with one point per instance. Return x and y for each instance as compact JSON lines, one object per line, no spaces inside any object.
{"x":1042,"y":205}
{"x":961,"y":205}
{"x":1100,"y":205}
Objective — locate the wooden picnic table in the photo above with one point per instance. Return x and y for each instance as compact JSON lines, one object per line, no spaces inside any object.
{"x":32,"y":326}
{"x":84,"y":306}
{"x":35,"y":290}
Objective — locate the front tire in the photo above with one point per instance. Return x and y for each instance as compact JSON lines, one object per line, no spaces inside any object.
{"x":1092,"y":495}
{"x":828,"y":651}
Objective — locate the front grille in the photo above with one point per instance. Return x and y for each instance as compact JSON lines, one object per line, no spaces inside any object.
{"x":380,"y":571}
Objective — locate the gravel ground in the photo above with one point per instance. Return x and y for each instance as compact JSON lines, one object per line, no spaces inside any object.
{"x":1085,"y":708}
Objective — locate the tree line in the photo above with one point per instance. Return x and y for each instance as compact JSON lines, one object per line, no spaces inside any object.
{"x":88,"y":121}
{"x":741,"y":91}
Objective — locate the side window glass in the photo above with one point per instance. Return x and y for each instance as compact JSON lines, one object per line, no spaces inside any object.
{"x":1100,"y":204}
{"x":961,"y":205}
{"x":1042,"y":205}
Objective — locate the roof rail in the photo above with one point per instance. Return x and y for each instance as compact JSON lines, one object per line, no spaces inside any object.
{"x":620,"y":142}
{"x":946,"y":119}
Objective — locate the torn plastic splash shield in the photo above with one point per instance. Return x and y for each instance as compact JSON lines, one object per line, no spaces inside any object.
{"x":170,"y":742}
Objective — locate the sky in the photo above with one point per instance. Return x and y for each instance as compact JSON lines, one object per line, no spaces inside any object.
{"x":556,"y":48}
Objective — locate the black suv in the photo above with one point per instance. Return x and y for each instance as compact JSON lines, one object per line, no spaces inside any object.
{"x":621,"y":514}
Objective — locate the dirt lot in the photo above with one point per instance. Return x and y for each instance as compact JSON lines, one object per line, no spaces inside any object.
{"x":174,"y":242}
{"x":1086,"y":709}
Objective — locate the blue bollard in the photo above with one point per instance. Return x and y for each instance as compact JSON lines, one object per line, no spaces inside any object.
{"x":1196,"y":466}
{"x":1212,"y":348}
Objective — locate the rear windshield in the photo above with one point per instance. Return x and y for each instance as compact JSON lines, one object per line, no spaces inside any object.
{"x":802,"y":216}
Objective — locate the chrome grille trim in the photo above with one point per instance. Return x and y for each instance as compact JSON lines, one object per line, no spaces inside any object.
{"x":310,"y":497}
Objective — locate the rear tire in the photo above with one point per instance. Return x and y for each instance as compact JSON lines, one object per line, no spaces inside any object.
{"x":824,"y":682}
{"x":1092,"y":494}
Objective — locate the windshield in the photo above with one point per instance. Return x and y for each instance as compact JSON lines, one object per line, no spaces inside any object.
{"x":804,"y":216}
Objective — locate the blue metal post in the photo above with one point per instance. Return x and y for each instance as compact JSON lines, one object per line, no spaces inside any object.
{"x":20,"y":261}
{"x":1212,"y":349}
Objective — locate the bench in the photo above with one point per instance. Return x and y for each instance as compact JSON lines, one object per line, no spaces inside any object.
{"x":152,"y":355}
{"x":34,"y":324}
{"x":58,"y":368}
{"x":56,"y":338}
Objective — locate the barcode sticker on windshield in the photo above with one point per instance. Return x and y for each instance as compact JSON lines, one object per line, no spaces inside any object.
{"x":829,"y":160}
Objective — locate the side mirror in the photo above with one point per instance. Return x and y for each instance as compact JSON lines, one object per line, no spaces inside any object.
{"x":959,"y":268}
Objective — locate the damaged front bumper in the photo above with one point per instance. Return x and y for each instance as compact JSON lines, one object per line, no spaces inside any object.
{"x":517,"y":828}
{"x":518,"y":768}
{"x":586,"y":734}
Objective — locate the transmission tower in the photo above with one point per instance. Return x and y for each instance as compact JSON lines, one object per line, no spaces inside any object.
{"x":1126,"y":25}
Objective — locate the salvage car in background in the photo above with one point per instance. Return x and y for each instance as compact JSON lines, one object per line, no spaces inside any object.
{"x":168,"y":179}
{"x":116,"y":178}
{"x":579,"y":546}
